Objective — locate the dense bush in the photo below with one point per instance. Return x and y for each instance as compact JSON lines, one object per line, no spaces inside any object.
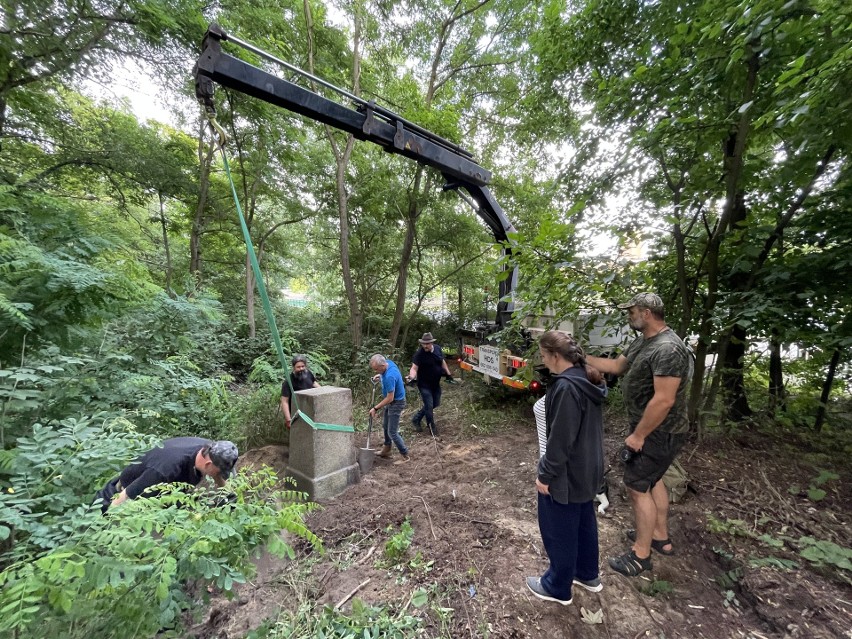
{"x":68,"y":571}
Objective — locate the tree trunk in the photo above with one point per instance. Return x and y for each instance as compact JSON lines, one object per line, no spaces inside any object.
{"x":697,"y":386}
{"x":166,"y":248}
{"x":733,"y":383}
{"x":250,"y":280}
{"x":776,"y":376}
{"x":342,"y":162}
{"x":734,"y":208}
{"x":416,"y":194}
{"x":414,"y":209}
{"x":343,"y":215}
{"x":826,"y":390}
{"x":2,"y":119}
{"x":205,"y":164}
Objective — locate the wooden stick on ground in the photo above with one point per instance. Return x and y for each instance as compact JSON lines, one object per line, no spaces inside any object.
{"x":351,"y":594}
{"x":367,"y":556}
{"x":429,"y":517}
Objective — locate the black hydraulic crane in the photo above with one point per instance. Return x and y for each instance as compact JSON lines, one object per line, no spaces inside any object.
{"x":369,"y":122}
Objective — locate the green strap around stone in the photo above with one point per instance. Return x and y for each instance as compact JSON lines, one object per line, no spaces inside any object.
{"x":267,"y":309}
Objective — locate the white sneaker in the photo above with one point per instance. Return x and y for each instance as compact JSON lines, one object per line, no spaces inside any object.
{"x":593,"y":585}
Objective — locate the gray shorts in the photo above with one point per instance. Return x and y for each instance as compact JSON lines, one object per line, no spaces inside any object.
{"x":648,"y":466}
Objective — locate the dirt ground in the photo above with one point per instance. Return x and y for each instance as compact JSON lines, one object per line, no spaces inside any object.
{"x":471,"y":501}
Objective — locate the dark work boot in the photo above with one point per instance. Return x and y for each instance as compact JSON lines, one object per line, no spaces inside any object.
{"x":385,"y":451}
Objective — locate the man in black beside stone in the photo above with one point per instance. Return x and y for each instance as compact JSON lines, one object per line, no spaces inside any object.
{"x":428,"y":367}
{"x":302,"y":379}
{"x":181,"y":460}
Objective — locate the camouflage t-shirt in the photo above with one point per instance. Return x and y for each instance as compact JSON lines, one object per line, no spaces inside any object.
{"x":663,"y":355}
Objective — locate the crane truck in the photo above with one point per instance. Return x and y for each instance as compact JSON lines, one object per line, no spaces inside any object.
{"x":373,"y":123}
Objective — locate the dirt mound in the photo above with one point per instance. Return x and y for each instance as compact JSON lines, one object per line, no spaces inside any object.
{"x":276,"y":457}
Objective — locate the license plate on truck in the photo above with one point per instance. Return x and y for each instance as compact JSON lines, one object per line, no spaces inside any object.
{"x":489,"y":360}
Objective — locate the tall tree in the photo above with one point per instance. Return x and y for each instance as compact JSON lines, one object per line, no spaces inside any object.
{"x":44,"y":41}
{"x":736,"y":115}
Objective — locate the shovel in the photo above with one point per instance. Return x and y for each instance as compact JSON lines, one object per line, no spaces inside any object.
{"x":367,"y":455}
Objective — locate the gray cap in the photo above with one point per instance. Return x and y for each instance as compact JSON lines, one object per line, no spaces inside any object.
{"x":224,"y":454}
{"x":650,"y":301}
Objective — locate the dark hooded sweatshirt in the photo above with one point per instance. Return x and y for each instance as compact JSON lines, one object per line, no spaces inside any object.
{"x":572,"y":466}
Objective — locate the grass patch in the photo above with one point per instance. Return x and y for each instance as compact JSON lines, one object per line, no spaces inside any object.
{"x":481,"y":409}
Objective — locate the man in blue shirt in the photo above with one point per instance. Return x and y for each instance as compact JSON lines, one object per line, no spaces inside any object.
{"x":393,"y":402}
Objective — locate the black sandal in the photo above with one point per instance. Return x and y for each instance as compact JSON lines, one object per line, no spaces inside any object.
{"x":658,"y":545}
{"x":629,"y":564}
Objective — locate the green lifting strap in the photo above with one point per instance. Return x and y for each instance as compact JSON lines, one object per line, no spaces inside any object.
{"x":267,"y":308}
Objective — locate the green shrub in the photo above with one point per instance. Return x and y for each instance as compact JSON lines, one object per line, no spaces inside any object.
{"x":375,"y":622}
{"x":397,"y":546}
{"x":255,"y":418}
{"x":71,"y":572}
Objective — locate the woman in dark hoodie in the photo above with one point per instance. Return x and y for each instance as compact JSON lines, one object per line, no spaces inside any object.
{"x":570,"y":472}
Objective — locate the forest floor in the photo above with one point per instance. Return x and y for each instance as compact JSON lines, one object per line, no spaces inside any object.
{"x":739,"y":534}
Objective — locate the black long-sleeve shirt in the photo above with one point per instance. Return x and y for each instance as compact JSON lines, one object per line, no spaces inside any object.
{"x":572,"y":465}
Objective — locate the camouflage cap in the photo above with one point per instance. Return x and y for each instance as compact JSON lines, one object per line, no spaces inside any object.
{"x":650,"y":301}
{"x":224,"y":454}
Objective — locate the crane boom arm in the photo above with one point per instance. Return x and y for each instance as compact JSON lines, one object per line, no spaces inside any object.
{"x":370,"y":123}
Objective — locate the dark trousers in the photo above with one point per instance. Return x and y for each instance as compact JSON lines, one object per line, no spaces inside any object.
{"x":390,"y":422}
{"x":431,"y":397}
{"x":570,"y":536}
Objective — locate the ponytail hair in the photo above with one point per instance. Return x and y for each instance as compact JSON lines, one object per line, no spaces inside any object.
{"x":562,"y":344}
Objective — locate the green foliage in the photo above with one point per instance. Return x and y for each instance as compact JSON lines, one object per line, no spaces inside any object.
{"x":54,"y":272}
{"x":821,"y":552}
{"x":396,"y":547}
{"x":735,"y":179}
{"x":815,"y":491}
{"x":364,"y":622}
{"x":255,"y":419}
{"x":72,"y":572}
{"x":56,"y":470}
{"x":773,"y":562}
{"x":657,"y":588}
{"x":484,"y":409}
{"x":267,"y":368}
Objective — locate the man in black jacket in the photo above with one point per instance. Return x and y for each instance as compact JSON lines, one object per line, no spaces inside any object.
{"x":181,"y":460}
{"x":570,"y":471}
{"x":427,"y":368}
{"x":301,"y":378}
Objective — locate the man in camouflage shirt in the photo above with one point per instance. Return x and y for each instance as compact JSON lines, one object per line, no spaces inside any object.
{"x":657,"y":370}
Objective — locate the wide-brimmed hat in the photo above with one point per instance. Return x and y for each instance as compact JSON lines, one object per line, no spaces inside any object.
{"x":427,"y":338}
{"x":651,"y":301}
{"x":224,"y":455}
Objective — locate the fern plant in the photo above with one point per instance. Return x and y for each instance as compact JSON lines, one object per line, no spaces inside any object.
{"x":70,"y":572}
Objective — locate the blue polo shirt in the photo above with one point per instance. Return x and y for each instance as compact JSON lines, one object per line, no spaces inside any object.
{"x":392,"y":381}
